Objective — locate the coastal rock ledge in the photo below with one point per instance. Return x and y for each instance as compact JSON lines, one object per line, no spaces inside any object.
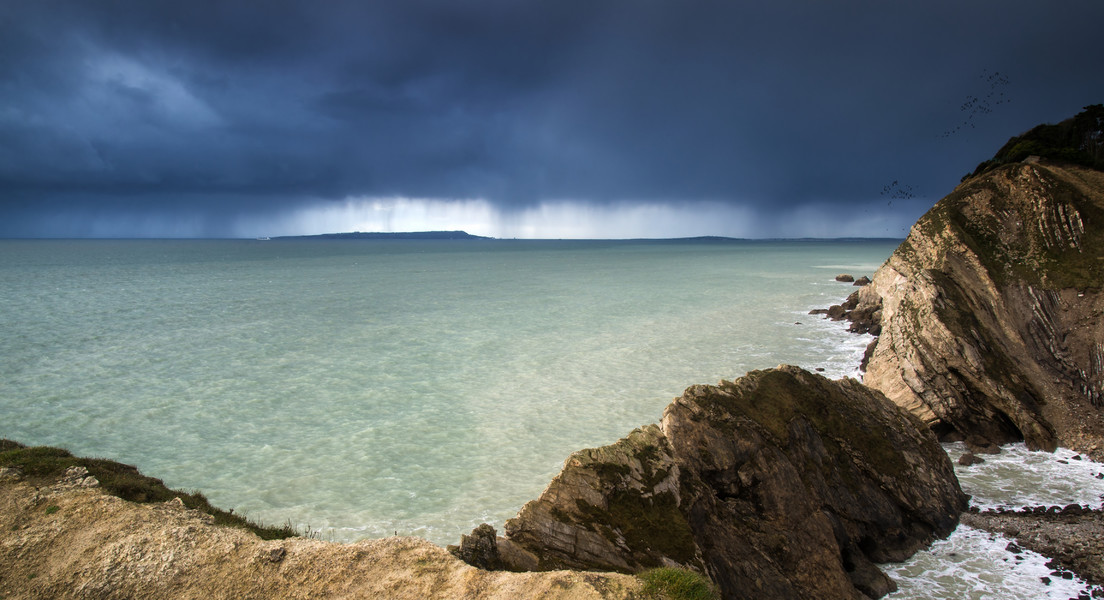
{"x":781,"y":484}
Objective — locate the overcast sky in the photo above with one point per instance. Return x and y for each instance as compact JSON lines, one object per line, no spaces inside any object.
{"x":590,"y":118}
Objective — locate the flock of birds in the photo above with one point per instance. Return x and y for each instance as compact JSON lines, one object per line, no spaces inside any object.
{"x":972,"y":107}
{"x":897,"y":191}
{"x":975,"y":105}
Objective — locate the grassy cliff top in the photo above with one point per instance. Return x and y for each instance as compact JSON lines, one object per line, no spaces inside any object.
{"x":1078,"y":140}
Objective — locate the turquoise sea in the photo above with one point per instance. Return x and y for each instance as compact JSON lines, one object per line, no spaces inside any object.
{"x":364,"y":388}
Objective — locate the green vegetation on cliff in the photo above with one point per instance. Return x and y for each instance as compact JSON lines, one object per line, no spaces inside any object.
{"x":1079,"y":140}
{"x":669,"y":583}
{"x":1033,"y":224}
{"x":44,"y":463}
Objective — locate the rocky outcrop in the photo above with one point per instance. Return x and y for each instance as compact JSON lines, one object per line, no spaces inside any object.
{"x":990,"y":311}
{"x":866,"y":318}
{"x":781,"y":484}
{"x":479,"y":549}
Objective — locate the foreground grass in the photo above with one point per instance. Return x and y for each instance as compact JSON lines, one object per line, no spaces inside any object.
{"x":666,"y":583}
{"x":125,"y":481}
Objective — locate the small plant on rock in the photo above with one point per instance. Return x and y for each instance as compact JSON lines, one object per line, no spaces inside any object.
{"x":669,"y":583}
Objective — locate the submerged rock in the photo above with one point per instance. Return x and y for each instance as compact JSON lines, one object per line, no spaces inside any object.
{"x":969,"y":459}
{"x":781,"y":484}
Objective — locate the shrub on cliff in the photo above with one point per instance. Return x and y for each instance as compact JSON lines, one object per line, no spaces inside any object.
{"x":1078,"y":140}
{"x":669,"y":583}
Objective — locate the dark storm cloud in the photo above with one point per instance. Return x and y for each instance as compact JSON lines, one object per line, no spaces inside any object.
{"x":216,"y":109}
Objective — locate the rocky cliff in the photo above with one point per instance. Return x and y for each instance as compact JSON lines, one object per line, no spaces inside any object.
{"x":991,"y":310}
{"x":781,"y":484}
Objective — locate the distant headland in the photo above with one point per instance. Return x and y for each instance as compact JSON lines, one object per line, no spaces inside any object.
{"x":380,"y":235}
{"x":463,"y":235}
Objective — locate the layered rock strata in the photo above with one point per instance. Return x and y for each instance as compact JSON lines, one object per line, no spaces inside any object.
{"x":781,"y":484}
{"x":990,"y":311}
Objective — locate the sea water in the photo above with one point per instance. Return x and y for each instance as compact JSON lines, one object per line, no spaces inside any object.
{"x":368,"y":388}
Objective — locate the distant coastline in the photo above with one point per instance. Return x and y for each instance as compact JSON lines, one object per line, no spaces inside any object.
{"x":463,"y":235}
{"x":378,"y":235}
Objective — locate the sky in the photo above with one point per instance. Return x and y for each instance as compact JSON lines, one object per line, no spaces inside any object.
{"x":513,"y":118}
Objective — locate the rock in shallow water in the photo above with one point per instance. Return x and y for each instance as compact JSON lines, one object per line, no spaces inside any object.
{"x":781,"y":484}
{"x":969,"y":459}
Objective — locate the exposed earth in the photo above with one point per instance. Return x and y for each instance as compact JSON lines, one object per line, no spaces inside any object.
{"x":70,"y":539}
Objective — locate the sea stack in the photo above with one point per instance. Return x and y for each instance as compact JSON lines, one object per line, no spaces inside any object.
{"x":781,"y":484}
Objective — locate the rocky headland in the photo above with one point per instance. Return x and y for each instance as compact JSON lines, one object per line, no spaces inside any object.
{"x":990,"y":311}
{"x":781,"y":484}
{"x":988,"y":319}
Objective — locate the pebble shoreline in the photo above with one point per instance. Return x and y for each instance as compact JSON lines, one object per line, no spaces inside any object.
{"x":1072,"y":537}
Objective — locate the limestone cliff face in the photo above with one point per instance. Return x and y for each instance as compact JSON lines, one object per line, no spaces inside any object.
{"x":782,"y":484}
{"x":991,"y":310}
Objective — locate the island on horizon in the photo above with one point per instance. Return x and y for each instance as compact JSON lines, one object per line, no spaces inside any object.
{"x":463,"y":235}
{"x":381,"y":235}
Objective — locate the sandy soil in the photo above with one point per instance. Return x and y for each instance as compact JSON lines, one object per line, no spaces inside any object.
{"x":66,"y":540}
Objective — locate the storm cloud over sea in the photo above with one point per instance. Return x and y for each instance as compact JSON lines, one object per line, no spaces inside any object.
{"x":152,"y":118}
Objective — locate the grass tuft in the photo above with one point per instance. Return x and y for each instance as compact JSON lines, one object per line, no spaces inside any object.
{"x":670,"y":583}
{"x":43,"y":463}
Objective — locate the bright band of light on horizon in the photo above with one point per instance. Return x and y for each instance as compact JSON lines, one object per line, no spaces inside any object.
{"x":572,"y":220}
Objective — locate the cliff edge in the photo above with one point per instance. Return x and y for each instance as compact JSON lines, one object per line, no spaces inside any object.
{"x":68,"y":538}
{"x":990,"y":310}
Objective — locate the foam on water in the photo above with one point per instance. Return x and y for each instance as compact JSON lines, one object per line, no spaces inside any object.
{"x":1018,"y":477}
{"x":976,"y":564}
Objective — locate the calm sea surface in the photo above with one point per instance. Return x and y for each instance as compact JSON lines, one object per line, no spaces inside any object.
{"x":366,"y":388}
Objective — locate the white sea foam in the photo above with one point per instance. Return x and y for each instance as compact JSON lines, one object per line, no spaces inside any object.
{"x":1018,"y":477}
{"x":978,"y":565}
{"x":975,"y":565}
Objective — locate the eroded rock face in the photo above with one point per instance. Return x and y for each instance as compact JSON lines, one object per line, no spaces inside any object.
{"x":781,"y":484}
{"x":990,"y":311}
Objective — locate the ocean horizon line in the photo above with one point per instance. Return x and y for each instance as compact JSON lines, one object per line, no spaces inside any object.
{"x":420,"y":236}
